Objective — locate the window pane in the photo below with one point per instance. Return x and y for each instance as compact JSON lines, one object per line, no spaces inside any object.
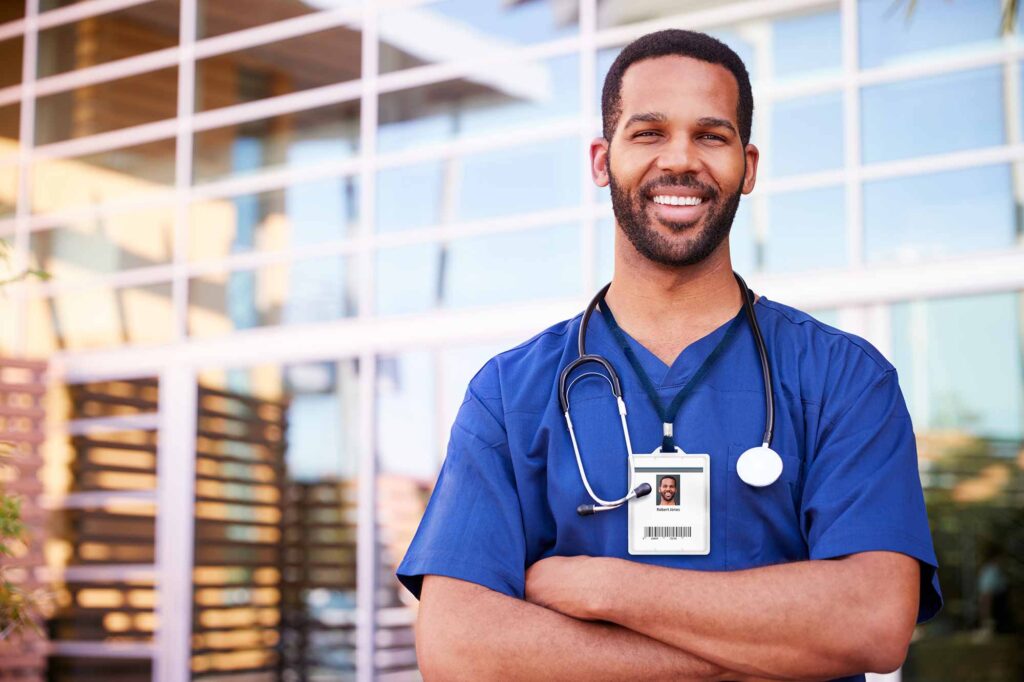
{"x":281,"y":219}
{"x":308,"y":61}
{"x":10,"y":120}
{"x":928,"y":116}
{"x":97,"y":178}
{"x":139,"y":29}
{"x":276,"y":540}
{"x":743,"y":246}
{"x":537,"y":177}
{"x":806,"y":230}
{"x":10,"y":11}
{"x":605,"y":250}
{"x":889,"y":36}
{"x":405,"y":405}
{"x":625,"y":13}
{"x":494,"y":269}
{"x":303,"y":138}
{"x":961,"y":365}
{"x":808,"y":44}
{"x":11,"y":55}
{"x":462,"y":29}
{"x":807,"y":134}
{"x":222,"y":16}
{"x":507,"y":96}
{"x":100,"y":317}
{"x":105,"y":244}
{"x":948,"y":213}
{"x":296,"y":292}
{"x":107,"y":106}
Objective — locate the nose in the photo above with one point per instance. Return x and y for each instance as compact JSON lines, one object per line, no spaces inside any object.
{"x":679,"y":156}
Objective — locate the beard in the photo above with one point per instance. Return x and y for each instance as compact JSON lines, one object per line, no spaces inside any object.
{"x":632,"y":214}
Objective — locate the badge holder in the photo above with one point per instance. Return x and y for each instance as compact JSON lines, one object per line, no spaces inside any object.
{"x":662,"y":523}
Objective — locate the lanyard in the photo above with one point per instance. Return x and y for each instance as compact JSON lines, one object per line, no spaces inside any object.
{"x":668,"y":416}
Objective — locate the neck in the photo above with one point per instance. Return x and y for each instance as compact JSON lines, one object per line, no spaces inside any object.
{"x":666,"y":308}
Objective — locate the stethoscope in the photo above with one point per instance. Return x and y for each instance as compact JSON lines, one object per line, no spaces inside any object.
{"x":758,"y":466}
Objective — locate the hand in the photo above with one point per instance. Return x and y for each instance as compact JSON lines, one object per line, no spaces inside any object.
{"x":563,"y":584}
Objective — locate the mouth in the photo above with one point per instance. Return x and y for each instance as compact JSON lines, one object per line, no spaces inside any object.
{"x":678,"y":208}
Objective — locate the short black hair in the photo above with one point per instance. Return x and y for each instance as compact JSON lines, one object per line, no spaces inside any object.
{"x":675,"y":41}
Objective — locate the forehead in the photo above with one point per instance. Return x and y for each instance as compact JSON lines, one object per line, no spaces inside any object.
{"x":679,"y":86}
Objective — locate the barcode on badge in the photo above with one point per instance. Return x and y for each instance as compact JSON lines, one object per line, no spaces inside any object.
{"x":671,"y":532}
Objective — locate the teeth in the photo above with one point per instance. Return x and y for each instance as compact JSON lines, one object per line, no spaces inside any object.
{"x":677,"y":201}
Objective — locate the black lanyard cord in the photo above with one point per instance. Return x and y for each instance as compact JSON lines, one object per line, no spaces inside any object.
{"x":668,"y":416}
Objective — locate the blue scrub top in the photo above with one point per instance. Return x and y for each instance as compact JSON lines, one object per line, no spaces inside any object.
{"x":507,"y":493}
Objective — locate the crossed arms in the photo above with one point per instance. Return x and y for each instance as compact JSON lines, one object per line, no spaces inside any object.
{"x":611,"y":619}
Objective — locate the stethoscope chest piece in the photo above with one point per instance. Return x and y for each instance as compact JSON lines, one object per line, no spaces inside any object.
{"x":759,"y":467}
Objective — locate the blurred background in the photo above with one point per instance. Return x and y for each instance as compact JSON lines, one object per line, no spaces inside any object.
{"x":283,"y":234}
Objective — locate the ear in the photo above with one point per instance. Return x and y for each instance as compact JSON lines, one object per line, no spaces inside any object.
{"x":750,"y":172}
{"x":599,"y":161}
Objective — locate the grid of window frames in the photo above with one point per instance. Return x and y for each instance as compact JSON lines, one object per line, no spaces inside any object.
{"x":329,"y":207}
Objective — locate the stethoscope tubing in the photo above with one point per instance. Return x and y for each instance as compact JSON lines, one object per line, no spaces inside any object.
{"x":564,"y":386}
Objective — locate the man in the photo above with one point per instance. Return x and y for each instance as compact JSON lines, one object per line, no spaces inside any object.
{"x":821,"y":574}
{"x":667,"y":492}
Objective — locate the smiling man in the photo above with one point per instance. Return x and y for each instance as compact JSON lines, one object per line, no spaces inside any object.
{"x":817,"y":570}
{"x":667,"y":488}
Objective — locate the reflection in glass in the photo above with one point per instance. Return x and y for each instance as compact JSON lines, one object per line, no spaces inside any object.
{"x":100,"y":317}
{"x":108,"y":106}
{"x":806,"y":230}
{"x":296,"y":292}
{"x":455,"y":29}
{"x":308,"y":61}
{"x":743,"y":244}
{"x":304,"y":138}
{"x":485,"y":270}
{"x":10,"y":11}
{"x":961,"y":364}
{"x":10,"y":120}
{"x":536,"y":177}
{"x":277,"y":220}
{"x":11,"y":55}
{"x":104,"y":244}
{"x":807,"y":134}
{"x":947,"y":213}
{"x":276,"y":503}
{"x":505,"y":96}
{"x":222,"y":16}
{"x":889,"y":36}
{"x":405,"y":406}
{"x":106,"y":176}
{"x":927,"y":116}
{"x":144,"y":27}
{"x":807,"y":44}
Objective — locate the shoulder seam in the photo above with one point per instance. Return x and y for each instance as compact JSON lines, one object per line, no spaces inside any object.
{"x":848,"y":338}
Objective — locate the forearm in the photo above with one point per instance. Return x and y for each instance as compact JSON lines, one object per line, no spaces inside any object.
{"x":804,"y":620}
{"x":468,"y":632}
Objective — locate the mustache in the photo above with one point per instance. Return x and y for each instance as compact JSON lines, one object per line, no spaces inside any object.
{"x":688,"y":181}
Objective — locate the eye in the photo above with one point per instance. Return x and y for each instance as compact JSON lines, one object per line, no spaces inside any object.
{"x":712,"y":136}
{"x":646,"y":133}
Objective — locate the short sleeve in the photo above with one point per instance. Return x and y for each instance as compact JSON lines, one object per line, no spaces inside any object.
{"x":472,"y":528}
{"x":862,"y":489}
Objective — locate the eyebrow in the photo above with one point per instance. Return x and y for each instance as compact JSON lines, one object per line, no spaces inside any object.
{"x":658,"y":117}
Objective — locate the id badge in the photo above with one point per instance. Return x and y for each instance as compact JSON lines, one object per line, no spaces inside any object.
{"x":675,"y":518}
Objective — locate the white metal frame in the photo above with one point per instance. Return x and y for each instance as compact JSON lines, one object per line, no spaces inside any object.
{"x":861,"y":292}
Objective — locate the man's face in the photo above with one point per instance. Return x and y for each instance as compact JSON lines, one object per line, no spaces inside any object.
{"x":676,"y":164}
{"x":667,"y":490}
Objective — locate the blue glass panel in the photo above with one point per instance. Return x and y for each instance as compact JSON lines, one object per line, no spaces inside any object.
{"x":807,"y":44}
{"x":605,"y":250}
{"x":806,"y":230}
{"x":929,"y":116}
{"x":537,"y":177}
{"x":952,"y":212}
{"x":493,"y":269}
{"x":742,"y":240}
{"x":508,"y":96}
{"x":456,"y":29}
{"x":954,"y":377}
{"x":807,"y":134}
{"x":888,"y":35}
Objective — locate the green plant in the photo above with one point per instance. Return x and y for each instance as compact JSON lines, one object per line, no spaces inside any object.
{"x":1011,"y":8}
{"x":17,"y":606}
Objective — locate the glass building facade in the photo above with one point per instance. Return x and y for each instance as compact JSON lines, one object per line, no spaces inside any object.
{"x":283,"y":234}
